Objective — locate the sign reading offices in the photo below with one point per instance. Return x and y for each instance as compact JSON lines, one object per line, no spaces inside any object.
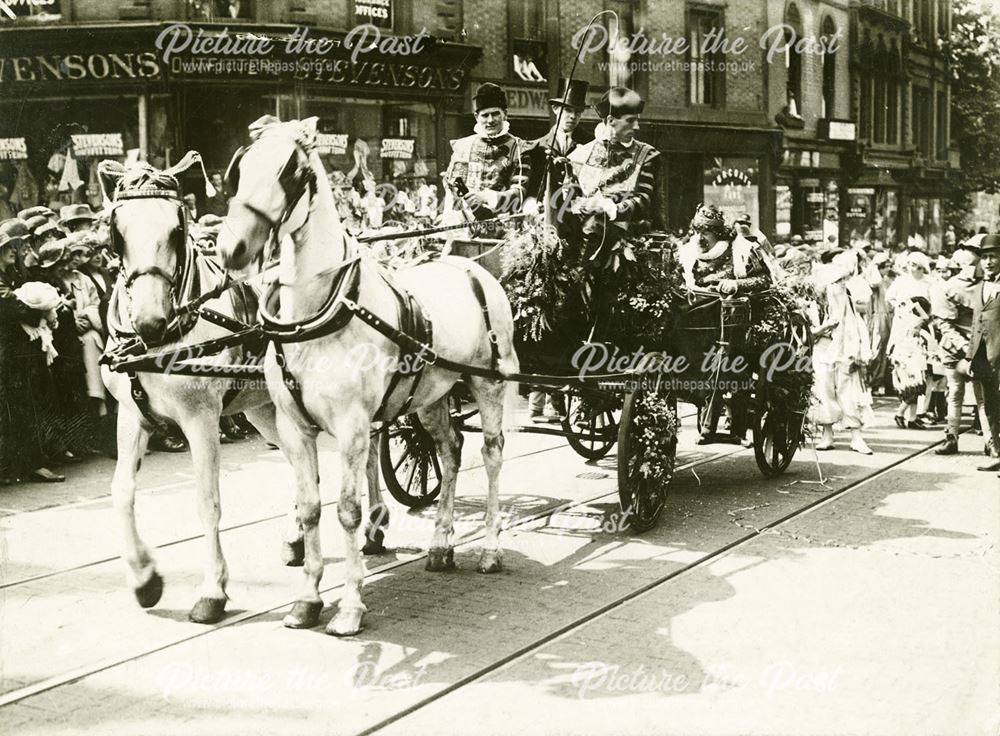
{"x":289,"y":61}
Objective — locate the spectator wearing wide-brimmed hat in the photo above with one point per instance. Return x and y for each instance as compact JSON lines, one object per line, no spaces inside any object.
{"x":39,"y":211}
{"x":77,"y":423}
{"x":76,"y":217}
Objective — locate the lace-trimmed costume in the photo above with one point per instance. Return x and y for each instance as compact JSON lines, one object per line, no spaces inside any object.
{"x":490,"y":167}
{"x":739,"y":261}
{"x":619,"y":177}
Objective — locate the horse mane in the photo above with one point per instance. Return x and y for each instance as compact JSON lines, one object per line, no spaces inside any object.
{"x":301,"y":132}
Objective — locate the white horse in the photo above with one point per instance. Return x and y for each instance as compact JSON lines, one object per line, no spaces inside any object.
{"x":281,"y":187}
{"x":160,"y":269}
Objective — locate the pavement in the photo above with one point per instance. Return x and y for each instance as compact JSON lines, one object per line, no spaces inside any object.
{"x":874,"y":612}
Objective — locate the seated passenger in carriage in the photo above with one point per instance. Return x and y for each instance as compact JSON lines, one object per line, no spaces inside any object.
{"x":484,"y":177}
{"x":717,"y":258}
{"x":615,"y":175}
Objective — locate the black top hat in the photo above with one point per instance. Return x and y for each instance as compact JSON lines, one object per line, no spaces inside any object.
{"x":489,"y":95}
{"x":577,"y":96}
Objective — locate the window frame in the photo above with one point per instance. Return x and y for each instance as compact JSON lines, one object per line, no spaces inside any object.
{"x":793,"y":59}
{"x":514,"y":38}
{"x":718,"y":77}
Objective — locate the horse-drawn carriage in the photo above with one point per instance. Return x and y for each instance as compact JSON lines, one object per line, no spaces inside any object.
{"x":447,"y":320}
{"x":636,"y":407}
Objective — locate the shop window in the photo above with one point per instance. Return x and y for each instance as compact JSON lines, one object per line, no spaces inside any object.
{"x":829,"y":72}
{"x":220,"y":10}
{"x":706,"y":66}
{"x":376,"y":12}
{"x":621,"y":30}
{"x":526,"y":19}
{"x":793,"y":62}
{"x":941,"y":127}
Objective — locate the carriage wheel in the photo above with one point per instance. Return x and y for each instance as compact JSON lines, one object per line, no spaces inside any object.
{"x":409,"y":463}
{"x":777,"y":431}
{"x":590,"y":430}
{"x":641,"y":498}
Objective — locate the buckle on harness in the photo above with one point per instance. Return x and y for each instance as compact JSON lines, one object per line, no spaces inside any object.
{"x":426,"y":350}
{"x":492,"y":336}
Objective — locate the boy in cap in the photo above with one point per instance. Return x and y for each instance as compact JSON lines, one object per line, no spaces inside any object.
{"x":484,"y":175}
{"x":615,"y":174}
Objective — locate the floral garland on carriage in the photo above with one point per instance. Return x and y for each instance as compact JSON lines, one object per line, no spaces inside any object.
{"x":634,"y":299}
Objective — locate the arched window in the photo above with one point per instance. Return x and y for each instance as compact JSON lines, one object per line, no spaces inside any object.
{"x":793,"y":61}
{"x":829,"y":70}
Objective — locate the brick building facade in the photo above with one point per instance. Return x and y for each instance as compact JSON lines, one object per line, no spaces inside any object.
{"x":805,"y":140}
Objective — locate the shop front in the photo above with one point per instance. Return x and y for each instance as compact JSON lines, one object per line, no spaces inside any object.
{"x":732,"y":168}
{"x":56,"y":82}
{"x":809,"y":196}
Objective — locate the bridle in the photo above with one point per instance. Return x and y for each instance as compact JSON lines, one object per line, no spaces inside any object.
{"x":171,"y":279}
{"x":182,"y":274}
{"x":297,"y":179}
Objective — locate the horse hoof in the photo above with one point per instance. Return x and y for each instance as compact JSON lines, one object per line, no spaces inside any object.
{"x":374,"y":546}
{"x":490,"y":561}
{"x":346,"y":622}
{"x":208,"y":611}
{"x":148,"y":594}
{"x":440,"y":559}
{"x":293,"y":554}
{"x":304,"y":615}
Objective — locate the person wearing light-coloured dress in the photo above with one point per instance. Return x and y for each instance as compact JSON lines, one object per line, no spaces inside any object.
{"x":909,"y":297}
{"x":841,"y":353}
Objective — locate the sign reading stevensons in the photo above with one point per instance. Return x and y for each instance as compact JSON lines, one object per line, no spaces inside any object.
{"x":76,"y":67}
{"x":98,"y":144}
{"x":397,"y":148}
{"x":13,"y":149}
{"x":331,"y":144}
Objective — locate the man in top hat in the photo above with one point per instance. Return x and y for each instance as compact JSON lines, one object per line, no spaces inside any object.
{"x":984,"y":341}
{"x":76,"y":217}
{"x":545,"y":160}
{"x":615,"y":174}
{"x":484,"y":175}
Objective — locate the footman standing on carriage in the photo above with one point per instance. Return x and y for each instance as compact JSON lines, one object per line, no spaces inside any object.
{"x":546,"y":163}
{"x":550,"y":182}
{"x":484,"y":176}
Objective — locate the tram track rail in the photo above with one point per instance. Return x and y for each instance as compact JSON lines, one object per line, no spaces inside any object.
{"x":647,"y":588}
{"x":79,"y":673}
{"x":10,"y":584}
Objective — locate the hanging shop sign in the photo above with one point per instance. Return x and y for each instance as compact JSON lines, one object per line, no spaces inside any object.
{"x":376,"y":12}
{"x":731,"y":185}
{"x":92,"y":145}
{"x":331,"y":144}
{"x":13,"y":149}
{"x":401,"y":148}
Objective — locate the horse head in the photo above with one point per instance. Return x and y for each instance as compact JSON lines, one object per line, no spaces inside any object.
{"x":148,"y":232}
{"x":269,"y":179}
